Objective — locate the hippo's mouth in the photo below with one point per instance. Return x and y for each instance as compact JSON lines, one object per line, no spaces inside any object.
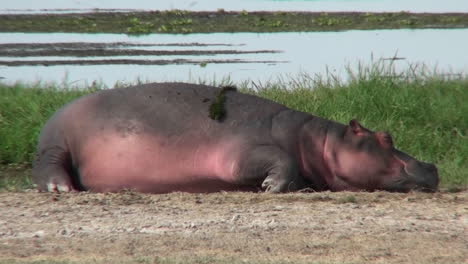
{"x":408,"y":182}
{"x":404,"y":188}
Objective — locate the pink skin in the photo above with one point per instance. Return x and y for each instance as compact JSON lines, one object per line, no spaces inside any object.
{"x":146,"y":164}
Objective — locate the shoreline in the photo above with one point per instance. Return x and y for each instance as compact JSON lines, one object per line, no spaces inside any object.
{"x":179,"y":21}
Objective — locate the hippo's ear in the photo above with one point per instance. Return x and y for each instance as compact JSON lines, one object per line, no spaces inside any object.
{"x":356,"y":127}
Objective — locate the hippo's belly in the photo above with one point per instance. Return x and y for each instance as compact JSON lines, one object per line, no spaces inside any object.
{"x":147,"y":164}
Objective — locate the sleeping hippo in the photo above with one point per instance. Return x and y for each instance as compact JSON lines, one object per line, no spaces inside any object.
{"x":162,"y":137}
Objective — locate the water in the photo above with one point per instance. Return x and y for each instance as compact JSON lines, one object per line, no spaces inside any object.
{"x":34,"y":6}
{"x":312,"y":53}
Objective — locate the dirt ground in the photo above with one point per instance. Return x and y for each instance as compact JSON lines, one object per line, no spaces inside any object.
{"x":233,"y":227}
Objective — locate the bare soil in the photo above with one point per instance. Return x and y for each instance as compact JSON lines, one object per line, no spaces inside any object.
{"x":233,"y":227}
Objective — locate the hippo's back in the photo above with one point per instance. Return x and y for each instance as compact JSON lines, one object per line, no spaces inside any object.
{"x":174,"y":107}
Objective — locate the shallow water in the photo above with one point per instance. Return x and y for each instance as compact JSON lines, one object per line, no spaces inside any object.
{"x":287,"y":54}
{"x":34,"y":6}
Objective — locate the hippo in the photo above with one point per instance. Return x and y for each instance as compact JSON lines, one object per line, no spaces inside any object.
{"x":161,"y":138}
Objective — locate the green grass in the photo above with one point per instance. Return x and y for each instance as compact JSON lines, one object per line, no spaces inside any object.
{"x":23,"y":111}
{"x":426,"y":113}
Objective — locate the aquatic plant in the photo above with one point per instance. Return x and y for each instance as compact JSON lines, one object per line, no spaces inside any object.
{"x":138,"y":27}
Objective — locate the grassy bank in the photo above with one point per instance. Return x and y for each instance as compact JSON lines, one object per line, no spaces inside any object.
{"x":178,"y":21}
{"x":427,"y":114}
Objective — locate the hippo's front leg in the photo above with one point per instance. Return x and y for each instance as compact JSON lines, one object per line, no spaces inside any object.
{"x":275,"y":169}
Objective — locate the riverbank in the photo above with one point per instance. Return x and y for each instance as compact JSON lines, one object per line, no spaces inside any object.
{"x":179,"y":21}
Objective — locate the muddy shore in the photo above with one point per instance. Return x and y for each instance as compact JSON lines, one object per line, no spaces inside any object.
{"x":99,"y":51}
{"x":179,"y":21}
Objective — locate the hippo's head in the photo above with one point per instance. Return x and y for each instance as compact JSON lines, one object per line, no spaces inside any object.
{"x":360,"y":159}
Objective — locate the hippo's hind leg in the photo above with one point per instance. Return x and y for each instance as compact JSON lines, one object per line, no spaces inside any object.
{"x":52,"y":170}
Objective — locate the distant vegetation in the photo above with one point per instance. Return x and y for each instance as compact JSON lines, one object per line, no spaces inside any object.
{"x":426,"y":113}
{"x":179,"y":21}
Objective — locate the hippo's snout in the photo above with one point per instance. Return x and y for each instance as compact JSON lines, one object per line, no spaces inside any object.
{"x":422,"y":176}
{"x":414,"y":175}
{"x":430,"y":178}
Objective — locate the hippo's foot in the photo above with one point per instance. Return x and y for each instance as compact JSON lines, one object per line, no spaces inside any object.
{"x":50,"y":182}
{"x":272,"y":185}
{"x":60,"y":187}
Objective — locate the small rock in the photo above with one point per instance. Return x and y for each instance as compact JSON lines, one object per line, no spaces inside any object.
{"x":278,"y":208}
{"x":235,"y":218}
{"x":39,"y":233}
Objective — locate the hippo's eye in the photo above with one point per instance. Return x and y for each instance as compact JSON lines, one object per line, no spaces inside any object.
{"x":365,"y":145}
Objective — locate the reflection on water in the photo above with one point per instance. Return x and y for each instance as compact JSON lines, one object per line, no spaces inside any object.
{"x":35,"y":6}
{"x":312,"y":52}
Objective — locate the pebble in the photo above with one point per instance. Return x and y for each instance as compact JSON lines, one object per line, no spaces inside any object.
{"x":39,"y":233}
{"x":235,"y":218}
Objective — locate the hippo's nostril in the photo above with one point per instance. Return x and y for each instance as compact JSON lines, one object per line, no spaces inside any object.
{"x":431,"y":178}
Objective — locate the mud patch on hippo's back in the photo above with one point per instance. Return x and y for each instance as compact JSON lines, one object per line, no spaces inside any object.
{"x":217,"y":110}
